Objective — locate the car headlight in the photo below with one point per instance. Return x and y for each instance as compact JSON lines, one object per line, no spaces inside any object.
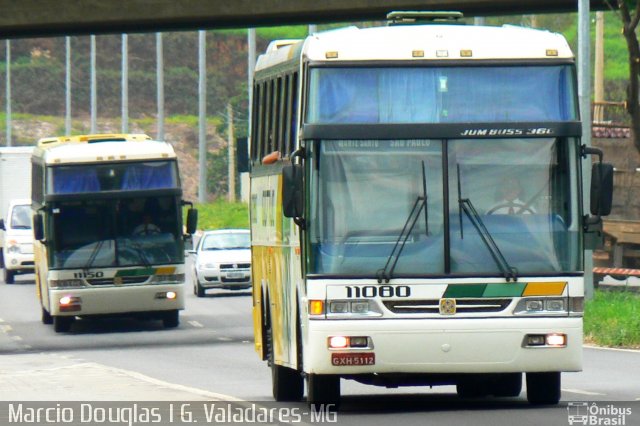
{"x":13,"y":249}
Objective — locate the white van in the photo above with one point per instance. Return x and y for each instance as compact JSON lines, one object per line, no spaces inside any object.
{"x":17,"y":247}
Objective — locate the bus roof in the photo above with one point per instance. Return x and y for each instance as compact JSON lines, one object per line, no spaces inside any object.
{"x":101,"y":148}
{"x":420,"y":42}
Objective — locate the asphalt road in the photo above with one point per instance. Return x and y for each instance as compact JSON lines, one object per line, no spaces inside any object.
{"x":212,"y":351}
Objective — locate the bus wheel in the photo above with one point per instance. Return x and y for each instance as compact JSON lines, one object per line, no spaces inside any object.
{"x":62,"y":324}
{"x":507,"y":385}
{"x":323,"y":389}
{"x":9,"y":276}
{"x":46,"y":317}
{"x":288,"y":384}
{"x":171,"y":319}
{"x":543,"y":388}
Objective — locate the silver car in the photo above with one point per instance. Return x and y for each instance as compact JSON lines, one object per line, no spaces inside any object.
{"x":222,"y":260}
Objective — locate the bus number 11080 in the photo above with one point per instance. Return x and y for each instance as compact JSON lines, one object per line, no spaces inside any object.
{"x":378,"y":291}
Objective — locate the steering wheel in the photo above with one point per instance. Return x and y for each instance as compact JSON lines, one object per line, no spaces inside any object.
{"x":148,"y":229}
{"x":518,"y":208}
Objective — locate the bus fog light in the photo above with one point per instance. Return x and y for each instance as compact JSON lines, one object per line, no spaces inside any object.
{"x":359,"y":341}
{"x":338,"y":342}
{"x":69,"y":303}
{"x":536,"y":340}
{"x":556,"y":340}
{"x":166,"y":295}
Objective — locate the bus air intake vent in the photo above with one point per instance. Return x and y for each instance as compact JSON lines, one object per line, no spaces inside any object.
{"x":121,"y":280}
{"x":432,"y":306}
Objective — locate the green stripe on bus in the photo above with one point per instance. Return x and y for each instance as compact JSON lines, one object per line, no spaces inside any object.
{"x":135,"y":272}
{"x":464,"y":290}
{"x":504,"y":290}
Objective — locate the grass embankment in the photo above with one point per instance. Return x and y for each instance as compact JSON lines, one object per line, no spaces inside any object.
{"x":612,"y":318}
{"x":222,"y":214}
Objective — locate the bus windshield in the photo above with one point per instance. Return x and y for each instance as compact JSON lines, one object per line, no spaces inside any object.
{"x":451,"y":94}
{"x":127,"y":176}
{"x":115,"y":232}
{"x":363,"y":193}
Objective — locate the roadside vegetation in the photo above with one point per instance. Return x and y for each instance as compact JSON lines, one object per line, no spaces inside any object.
{"x":612,"y":319}
{"x":222,"y":214}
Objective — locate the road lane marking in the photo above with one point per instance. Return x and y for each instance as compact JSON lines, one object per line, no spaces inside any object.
{"x":175,"y":386}
{"x":16,"y":338}
{"x":225,"y":339}
{"x":196,"y":324}
{"x":5,"y":328}
{"x":583,"y":392}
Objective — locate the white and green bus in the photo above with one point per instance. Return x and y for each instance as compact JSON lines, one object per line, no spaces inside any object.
{"x":417,"y":210}
{"x":109,"y":239}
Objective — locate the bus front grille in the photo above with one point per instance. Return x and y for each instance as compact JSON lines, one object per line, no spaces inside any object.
{"x":432,"y":306}
{"x":118,"y":280}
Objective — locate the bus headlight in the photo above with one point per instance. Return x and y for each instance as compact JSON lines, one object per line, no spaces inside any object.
{"x":13,"y":249}
{"x":541,"y":306}
{"x":353,"y":308}
{"x":168,"y":279}
{"x":70,"y":283}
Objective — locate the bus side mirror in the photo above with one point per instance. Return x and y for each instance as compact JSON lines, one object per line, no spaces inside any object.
{"x":38,"y":227}
{"x":292,"y":194}
{"x":601,"y":189}
{"x":192,"y":221}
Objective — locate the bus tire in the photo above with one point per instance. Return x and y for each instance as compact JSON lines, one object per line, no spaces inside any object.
{"x":46,"y":317}
{"x":9,"y":276}
{"x":288,"y":384}
{"x":507,"y":385}
{"x":543,"y":388}
{"x":62,"y":324}
{"x":323,"y":389}
{"x":171,"y":319}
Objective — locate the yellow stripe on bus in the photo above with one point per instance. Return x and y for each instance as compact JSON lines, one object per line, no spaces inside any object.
{"x":545,"y":289}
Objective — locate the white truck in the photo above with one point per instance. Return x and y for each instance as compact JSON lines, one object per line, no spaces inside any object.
{"x":16,"y":254}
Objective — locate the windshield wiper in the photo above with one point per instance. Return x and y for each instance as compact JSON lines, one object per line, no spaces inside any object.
{"x":409,"y":224}
{"x":94,"y":254}
{"x":465,"y":204}
{"x":143,"y":257}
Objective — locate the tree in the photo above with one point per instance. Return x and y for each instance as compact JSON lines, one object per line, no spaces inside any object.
{"x":629,"y":13}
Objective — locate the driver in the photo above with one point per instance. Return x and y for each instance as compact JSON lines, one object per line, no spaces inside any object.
{"x":146,"y":227}
{"x":510,"y":201}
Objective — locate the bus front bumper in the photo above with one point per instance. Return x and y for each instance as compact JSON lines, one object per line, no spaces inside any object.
{"x":116,"y":300}
{"x":483,"y":345}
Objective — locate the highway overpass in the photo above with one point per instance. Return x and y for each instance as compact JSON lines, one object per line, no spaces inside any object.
{"x":31,"y":18}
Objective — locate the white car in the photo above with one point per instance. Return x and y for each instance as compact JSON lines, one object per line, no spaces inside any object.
{"x":17,"y":247}
{"x":222,"y":260}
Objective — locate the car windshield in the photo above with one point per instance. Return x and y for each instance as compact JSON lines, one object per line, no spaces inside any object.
{"x":226,"y":241}
{"x":21,"y":217}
